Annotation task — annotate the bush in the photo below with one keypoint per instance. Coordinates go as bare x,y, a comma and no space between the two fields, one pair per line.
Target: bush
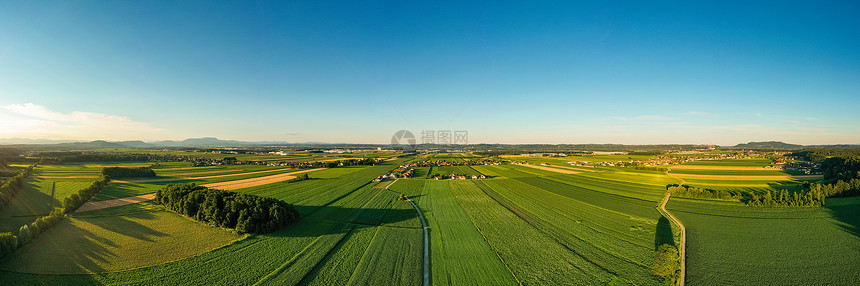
24,235
243,212
667,261
8,243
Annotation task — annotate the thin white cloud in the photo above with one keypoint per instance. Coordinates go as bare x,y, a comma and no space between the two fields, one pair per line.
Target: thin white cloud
38,122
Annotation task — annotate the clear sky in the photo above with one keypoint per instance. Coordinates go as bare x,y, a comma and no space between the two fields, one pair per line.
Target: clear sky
628,72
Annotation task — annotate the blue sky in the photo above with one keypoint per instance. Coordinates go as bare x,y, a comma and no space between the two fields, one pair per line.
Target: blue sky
545,72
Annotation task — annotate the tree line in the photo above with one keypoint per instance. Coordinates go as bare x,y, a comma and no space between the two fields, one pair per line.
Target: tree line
76,200
685,191
60,157
125,172
11,187
782,198
819,154
9,242
243,212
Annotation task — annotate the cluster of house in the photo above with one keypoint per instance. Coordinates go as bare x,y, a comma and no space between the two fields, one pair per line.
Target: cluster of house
806,167
458,177
404,171
457,163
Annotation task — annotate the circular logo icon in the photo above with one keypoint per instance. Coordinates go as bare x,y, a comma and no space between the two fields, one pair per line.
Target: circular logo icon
403,138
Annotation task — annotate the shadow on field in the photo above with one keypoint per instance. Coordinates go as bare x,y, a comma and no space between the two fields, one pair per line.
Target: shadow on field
321,220
123,226
846,211
664,234
30,201
791,186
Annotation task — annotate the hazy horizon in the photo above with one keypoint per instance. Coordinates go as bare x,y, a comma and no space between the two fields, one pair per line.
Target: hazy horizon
552,73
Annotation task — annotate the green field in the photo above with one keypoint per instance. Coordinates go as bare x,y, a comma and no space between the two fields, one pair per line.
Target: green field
117,239
521,226
730,244
334,210
731,162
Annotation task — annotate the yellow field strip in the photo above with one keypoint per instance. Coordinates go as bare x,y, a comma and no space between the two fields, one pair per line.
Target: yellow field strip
726,168
195,178
253,182
741,177
91,206
548,169
67,177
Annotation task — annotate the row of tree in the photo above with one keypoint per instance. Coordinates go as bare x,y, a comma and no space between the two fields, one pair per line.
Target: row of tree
125,172
243,212
60,157
838,189
28,232
804,198
700,193
76,200
11,187
9,242
785,198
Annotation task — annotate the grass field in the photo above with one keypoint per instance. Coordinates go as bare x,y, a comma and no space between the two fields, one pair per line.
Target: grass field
329,207
522,226
116,239
730,244
731,162
39,195
460,255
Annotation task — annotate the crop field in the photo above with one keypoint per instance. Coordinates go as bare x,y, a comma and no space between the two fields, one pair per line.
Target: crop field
460,255
752,173
731,163
734,244
522,226
44,190
752,186
317,244
117,239
128,188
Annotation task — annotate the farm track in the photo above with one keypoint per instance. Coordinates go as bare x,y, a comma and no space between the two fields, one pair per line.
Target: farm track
91,206
682,251
426,239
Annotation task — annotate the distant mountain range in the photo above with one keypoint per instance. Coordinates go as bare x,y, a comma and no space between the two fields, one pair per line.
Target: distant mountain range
191,142
215,142
769,145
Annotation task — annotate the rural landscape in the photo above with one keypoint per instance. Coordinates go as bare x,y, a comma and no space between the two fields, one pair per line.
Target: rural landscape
429,143
242,216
